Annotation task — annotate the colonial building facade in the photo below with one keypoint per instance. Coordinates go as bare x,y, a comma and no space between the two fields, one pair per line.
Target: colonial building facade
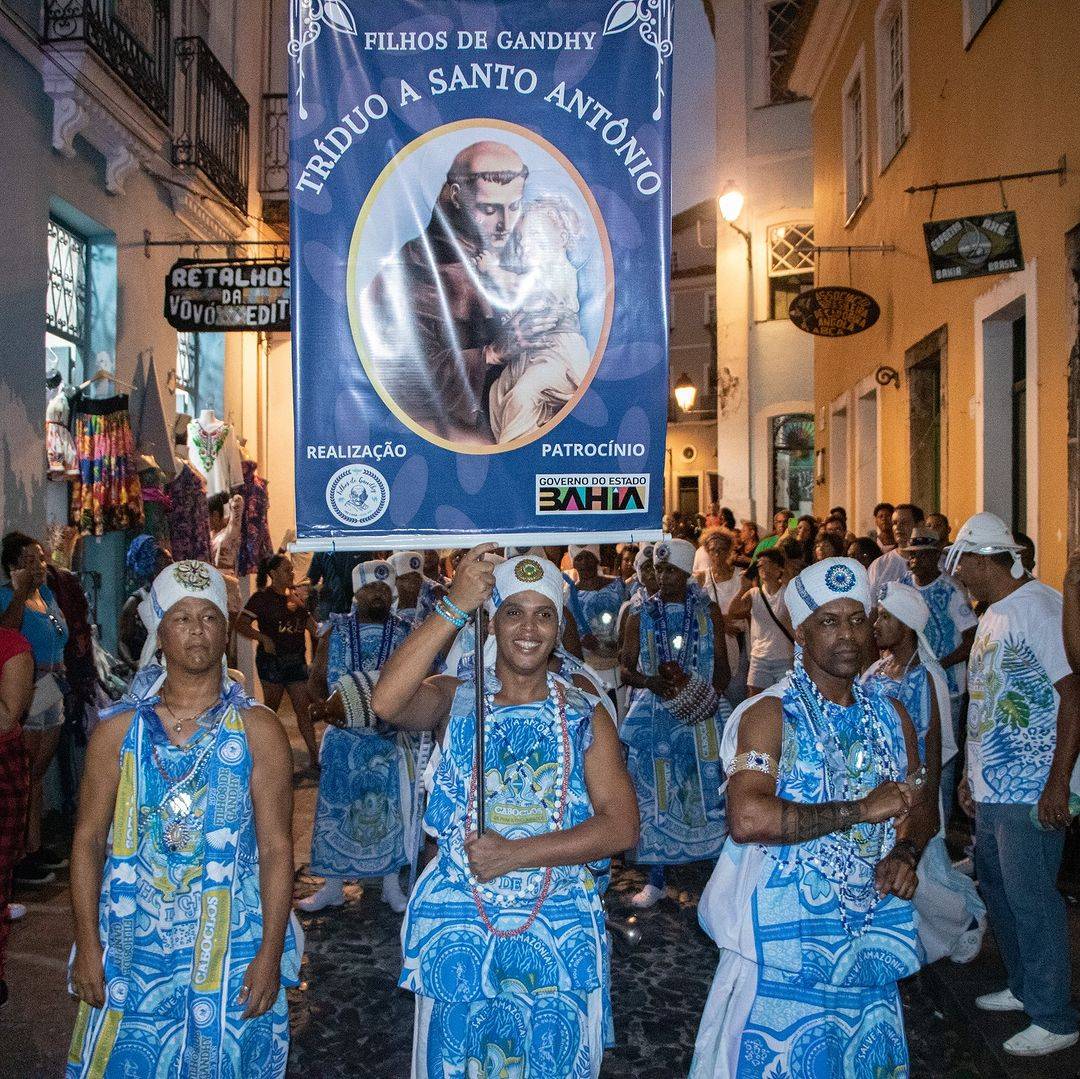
959,398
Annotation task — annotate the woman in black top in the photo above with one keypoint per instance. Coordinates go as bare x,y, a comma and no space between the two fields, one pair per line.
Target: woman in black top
279,623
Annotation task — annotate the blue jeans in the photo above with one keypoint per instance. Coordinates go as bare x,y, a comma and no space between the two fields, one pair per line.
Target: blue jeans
1018,865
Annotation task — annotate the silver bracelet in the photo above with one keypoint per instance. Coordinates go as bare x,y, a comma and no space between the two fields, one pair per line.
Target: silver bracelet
755,761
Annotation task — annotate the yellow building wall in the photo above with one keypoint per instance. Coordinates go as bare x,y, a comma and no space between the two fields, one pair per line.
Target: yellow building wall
1010,103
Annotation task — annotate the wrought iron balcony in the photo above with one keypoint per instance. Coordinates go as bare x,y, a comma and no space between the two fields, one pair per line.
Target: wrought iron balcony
274,171
131,37
211,121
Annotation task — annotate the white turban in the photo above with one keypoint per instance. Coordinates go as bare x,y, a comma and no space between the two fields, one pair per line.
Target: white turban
906,605
402,562
374,572
823,582
643,556
527,574
985,533
588,548
679,553
181,580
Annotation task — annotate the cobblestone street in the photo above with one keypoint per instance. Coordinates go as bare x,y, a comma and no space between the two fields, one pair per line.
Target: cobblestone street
350,1021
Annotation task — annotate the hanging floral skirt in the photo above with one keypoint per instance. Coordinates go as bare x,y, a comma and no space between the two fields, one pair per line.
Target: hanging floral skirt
107,496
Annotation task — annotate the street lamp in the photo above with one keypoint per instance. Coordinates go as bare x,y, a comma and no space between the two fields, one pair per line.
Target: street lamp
685,393
731,202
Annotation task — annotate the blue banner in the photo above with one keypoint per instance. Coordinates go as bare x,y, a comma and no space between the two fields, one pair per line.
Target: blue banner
480,240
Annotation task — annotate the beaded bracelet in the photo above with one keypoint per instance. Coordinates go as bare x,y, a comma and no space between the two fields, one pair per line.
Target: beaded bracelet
454,608
358,711
443,613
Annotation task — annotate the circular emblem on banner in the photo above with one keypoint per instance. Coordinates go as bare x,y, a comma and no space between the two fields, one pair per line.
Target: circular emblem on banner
834,311
528,571
839,579
357,495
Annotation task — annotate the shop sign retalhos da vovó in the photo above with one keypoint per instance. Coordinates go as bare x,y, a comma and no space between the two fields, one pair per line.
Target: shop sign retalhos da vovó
225,294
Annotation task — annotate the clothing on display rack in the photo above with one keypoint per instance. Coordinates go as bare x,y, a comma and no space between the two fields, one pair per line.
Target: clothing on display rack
153,436
59,445
189,518
214,454
255,542
107,496
156,502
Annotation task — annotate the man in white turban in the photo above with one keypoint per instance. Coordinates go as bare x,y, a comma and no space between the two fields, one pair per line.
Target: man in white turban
184,784
814,883
674,657
1023,727
952,917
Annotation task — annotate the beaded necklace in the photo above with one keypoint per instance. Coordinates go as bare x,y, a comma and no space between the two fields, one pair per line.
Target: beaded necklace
175,810
665,647
881,765
356,647
479,892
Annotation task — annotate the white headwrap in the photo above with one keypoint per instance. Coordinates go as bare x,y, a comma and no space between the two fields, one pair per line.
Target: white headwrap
907,605
823,582
643,556
402,562
680,553
588,548
527,574
374,572
985,533
181,580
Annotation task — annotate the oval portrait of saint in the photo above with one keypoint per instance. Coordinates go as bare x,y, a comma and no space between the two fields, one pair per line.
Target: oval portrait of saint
480,285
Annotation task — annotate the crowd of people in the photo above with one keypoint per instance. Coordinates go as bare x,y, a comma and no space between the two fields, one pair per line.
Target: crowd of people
806,709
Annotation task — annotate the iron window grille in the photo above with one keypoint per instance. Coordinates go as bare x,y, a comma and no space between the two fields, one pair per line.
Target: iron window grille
66,301
782,17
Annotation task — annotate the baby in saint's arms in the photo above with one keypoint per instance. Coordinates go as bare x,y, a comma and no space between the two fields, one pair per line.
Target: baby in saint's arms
537,273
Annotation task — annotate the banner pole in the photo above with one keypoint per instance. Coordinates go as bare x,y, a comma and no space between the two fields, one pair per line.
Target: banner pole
478,668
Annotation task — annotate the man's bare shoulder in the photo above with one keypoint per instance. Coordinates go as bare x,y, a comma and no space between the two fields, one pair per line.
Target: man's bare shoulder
112,731
261,724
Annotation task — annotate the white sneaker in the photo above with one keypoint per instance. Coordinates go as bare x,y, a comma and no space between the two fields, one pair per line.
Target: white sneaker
970,944
1001,1001
1037,1042
15,911
331,894
648,897
392,894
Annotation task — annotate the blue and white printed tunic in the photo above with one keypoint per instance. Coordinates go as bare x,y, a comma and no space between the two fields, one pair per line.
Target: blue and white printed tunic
365,788
528,1005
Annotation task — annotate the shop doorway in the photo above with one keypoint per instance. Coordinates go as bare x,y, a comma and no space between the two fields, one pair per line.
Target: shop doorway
1072,247
792,464
688,496
925,363
866,459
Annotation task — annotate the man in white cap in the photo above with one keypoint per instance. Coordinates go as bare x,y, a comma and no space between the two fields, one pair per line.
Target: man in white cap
674,657
600,598
556,799
181,868
416,595
952,917
810,899
366,792
1023,730
950,631
892,565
